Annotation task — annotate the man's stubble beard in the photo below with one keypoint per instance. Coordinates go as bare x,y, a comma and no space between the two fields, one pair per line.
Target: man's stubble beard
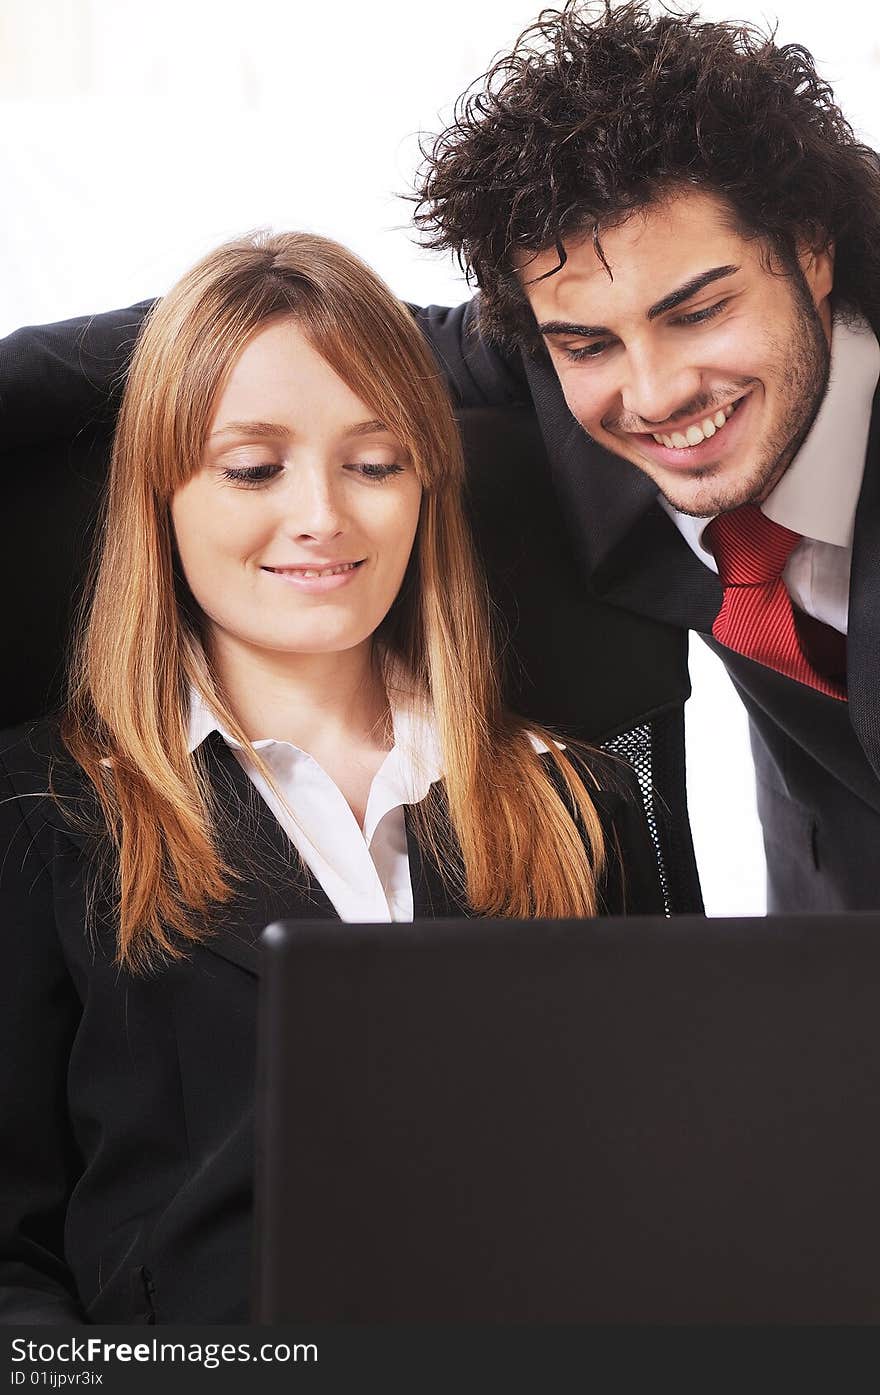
802,378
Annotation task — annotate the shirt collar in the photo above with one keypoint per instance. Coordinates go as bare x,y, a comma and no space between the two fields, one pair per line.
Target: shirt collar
405,776
202,722
413,765
818,494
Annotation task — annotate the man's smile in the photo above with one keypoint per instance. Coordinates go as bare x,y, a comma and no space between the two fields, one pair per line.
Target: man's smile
701,442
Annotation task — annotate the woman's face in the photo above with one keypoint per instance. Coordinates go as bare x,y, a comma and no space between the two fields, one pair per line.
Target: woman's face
295,533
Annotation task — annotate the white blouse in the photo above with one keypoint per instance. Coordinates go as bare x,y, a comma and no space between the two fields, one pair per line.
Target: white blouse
364,872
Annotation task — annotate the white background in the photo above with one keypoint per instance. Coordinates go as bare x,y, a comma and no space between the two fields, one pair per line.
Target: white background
139,135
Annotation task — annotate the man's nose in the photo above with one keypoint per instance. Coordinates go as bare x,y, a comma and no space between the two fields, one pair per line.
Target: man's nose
656,385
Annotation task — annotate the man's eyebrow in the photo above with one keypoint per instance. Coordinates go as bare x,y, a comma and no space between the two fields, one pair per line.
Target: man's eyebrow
691,287
668,302
569,327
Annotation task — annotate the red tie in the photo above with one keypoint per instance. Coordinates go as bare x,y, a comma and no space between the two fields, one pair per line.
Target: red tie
756,617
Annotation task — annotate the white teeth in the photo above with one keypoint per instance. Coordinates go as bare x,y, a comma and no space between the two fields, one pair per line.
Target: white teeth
312,572
695,434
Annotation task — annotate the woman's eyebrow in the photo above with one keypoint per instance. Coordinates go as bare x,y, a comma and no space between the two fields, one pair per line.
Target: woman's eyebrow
367,428
275,430
251,428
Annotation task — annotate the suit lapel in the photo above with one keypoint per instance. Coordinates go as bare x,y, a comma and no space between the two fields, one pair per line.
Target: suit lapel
604,497
863,641
433,898
274,881
629,550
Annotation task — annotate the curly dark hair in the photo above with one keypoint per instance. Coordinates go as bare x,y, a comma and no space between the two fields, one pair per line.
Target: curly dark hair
599,109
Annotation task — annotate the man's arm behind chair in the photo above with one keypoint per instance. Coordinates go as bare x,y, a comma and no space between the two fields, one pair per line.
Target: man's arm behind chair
59,379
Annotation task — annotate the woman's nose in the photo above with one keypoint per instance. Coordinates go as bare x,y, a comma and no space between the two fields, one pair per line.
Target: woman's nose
313,508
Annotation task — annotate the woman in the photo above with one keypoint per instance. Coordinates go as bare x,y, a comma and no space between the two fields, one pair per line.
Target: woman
283,702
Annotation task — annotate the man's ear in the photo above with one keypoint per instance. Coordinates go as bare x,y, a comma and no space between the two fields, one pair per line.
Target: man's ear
816,258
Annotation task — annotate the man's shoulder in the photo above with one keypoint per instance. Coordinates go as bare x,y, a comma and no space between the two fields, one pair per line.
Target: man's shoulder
92,335
56,379
479,372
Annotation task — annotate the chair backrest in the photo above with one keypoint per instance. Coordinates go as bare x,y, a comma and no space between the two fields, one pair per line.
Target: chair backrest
571,661
53,494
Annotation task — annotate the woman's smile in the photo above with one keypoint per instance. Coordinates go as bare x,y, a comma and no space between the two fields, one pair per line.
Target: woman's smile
316,577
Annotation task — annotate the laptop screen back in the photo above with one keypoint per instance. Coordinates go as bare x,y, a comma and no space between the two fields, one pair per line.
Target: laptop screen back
605,1121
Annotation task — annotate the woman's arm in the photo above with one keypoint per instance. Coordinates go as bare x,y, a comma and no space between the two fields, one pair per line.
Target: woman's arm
39,1012
56,380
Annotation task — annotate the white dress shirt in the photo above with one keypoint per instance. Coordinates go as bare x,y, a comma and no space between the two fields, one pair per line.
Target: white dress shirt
818,494
364,872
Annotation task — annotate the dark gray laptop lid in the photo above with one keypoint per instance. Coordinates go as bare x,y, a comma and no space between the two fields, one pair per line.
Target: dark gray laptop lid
604,1121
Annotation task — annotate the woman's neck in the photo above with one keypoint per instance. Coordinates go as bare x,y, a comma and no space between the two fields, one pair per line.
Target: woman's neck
311,700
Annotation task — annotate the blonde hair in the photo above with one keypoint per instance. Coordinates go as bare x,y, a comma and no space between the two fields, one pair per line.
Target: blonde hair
514,833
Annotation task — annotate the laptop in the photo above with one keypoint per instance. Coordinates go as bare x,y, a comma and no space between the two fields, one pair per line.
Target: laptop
611,1121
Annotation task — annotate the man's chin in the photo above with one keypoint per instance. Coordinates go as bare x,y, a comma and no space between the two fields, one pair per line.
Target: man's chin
700,508
718,487
706,496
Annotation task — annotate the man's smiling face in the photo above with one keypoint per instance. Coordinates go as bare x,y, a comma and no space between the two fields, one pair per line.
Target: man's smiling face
695,360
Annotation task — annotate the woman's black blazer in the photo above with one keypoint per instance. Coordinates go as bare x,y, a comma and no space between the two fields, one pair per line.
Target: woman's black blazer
126,1103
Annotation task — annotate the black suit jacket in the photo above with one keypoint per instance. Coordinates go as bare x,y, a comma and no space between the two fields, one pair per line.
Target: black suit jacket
126,1103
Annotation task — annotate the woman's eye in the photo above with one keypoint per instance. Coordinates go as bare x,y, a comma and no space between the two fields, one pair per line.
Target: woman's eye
372,470
251,474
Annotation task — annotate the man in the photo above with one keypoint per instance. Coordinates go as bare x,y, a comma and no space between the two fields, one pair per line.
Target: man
673,232
675,236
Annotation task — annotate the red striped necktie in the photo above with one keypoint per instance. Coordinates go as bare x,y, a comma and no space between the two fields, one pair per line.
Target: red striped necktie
756,616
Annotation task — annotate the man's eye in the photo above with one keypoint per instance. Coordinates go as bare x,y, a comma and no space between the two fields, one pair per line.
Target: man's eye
251,474
697,317
586,351
372,470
